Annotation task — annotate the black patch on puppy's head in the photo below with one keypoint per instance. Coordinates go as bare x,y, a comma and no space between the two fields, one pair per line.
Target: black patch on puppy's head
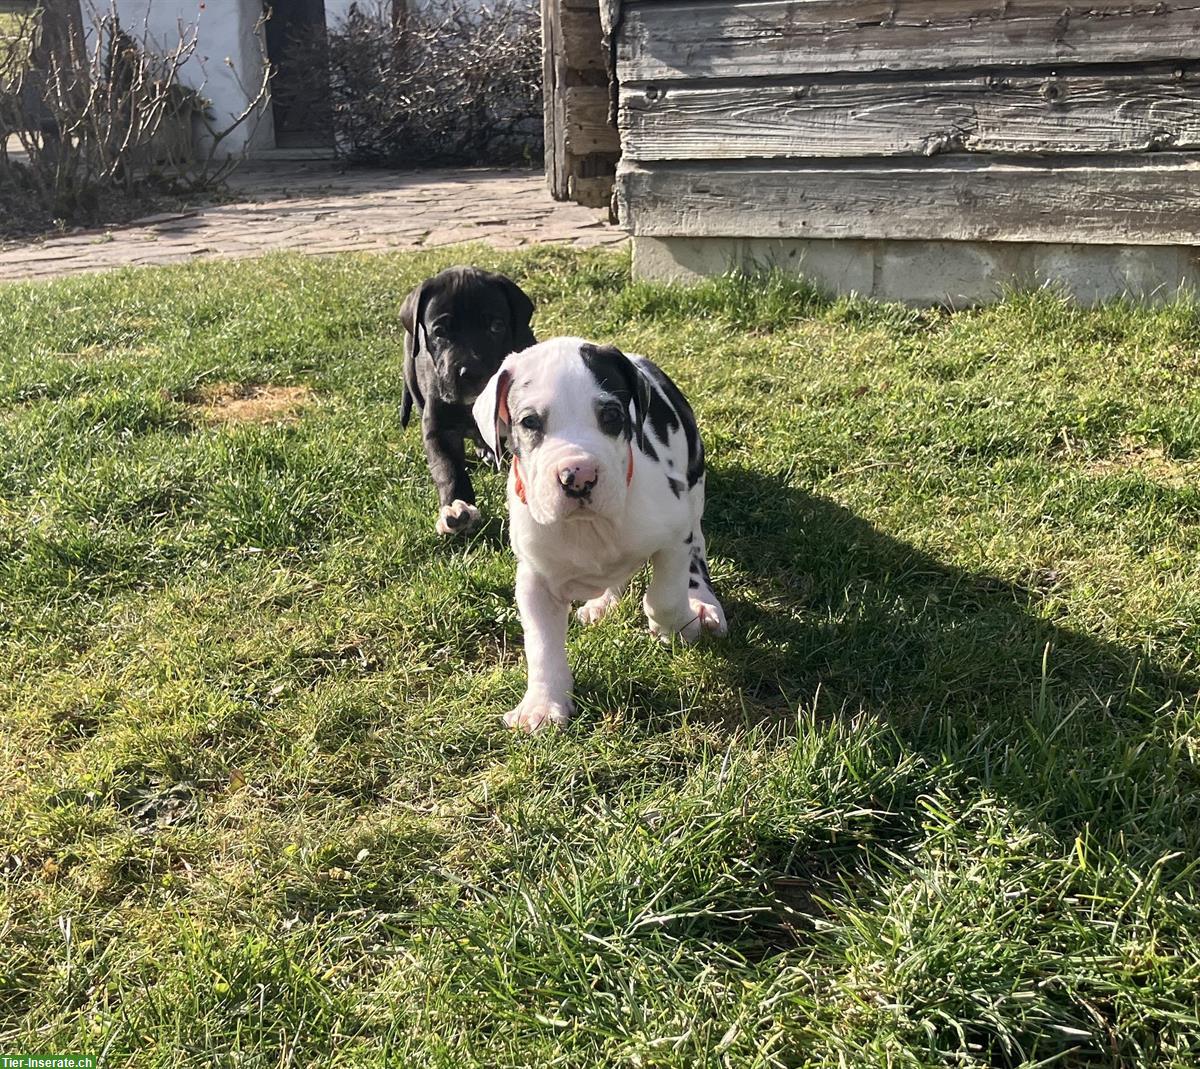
616,375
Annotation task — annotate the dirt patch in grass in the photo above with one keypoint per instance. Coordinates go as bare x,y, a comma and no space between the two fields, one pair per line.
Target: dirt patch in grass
1151,462
231,402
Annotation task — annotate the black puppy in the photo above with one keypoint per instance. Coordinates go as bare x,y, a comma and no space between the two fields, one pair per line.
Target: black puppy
461,325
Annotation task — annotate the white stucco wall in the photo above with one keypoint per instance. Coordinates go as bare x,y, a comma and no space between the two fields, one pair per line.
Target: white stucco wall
227,66
336,11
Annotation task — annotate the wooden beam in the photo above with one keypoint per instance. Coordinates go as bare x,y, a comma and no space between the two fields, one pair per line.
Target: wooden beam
593,192
581,144
1107,112
553,102
588,128
781,38
610,15
581,34
1098,200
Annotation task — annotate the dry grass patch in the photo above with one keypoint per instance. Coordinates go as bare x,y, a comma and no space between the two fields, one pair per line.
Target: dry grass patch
231,402
1149,461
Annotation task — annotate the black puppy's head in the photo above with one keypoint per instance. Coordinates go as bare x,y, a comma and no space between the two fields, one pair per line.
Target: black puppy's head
467,321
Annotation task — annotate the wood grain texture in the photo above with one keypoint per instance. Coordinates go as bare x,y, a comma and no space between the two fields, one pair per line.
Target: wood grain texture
1100,200
588,128
554,104
592,192
581,145
780,38
610,15
581,33
1100,113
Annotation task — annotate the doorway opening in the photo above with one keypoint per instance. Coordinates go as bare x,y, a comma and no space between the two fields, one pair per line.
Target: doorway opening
300,105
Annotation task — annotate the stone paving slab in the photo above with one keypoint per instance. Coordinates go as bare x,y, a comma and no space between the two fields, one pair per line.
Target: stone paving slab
321,208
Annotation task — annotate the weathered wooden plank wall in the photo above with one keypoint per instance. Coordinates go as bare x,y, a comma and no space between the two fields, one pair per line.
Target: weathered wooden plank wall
582,145
1105,111
1145,201
1021,120
710,39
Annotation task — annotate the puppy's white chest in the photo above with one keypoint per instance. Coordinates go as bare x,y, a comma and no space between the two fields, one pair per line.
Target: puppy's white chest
580,559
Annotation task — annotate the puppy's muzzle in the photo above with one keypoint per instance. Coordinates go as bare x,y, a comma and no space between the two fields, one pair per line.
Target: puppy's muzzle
578,480
461,377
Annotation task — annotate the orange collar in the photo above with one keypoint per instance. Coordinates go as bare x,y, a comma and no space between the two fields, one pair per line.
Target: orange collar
519,486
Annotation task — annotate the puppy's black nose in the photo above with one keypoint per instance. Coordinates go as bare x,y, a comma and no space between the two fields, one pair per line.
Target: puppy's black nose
577,480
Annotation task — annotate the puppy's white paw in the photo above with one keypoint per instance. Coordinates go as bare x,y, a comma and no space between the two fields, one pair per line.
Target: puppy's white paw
710,617
592,612
665,629
705,616
538,711
459,517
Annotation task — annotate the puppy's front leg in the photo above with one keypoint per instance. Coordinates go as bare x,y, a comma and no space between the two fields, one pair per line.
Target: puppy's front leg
448,466
666,604
544,618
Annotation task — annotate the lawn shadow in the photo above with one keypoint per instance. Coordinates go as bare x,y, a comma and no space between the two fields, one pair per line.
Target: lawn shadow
1067,734
965,667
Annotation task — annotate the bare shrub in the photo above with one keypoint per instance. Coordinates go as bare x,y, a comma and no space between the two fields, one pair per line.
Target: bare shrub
448,84
102,117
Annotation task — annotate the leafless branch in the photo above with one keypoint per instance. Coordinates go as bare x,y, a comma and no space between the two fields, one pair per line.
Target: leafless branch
102,114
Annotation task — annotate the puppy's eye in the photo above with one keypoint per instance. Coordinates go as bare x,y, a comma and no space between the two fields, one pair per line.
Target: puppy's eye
532,423
497,326
612,419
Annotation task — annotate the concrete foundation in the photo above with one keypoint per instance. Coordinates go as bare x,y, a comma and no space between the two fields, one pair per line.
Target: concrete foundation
954,273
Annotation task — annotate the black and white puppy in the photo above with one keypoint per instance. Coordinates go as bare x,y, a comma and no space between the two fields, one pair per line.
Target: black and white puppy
460,325
607,473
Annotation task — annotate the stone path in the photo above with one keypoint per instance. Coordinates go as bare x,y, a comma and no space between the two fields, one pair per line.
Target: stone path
320,208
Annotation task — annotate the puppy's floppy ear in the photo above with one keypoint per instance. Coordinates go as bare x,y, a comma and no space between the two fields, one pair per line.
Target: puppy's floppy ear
639,397
520,308
411,312
410,315
491,411
412,390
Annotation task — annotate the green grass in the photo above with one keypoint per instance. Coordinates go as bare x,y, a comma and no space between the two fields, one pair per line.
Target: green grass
934,802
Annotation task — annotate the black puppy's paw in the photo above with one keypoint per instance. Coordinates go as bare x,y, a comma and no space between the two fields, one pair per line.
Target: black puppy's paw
459,517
